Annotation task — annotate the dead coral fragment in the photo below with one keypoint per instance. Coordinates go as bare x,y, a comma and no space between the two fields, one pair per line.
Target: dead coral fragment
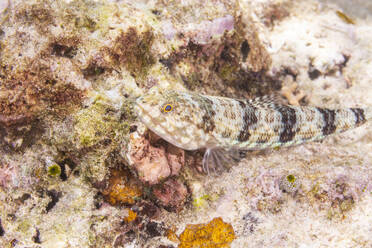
122,188
340,208
154,163
343,195
150,162
275,13
176,158
236,60
215,234
171,194
8,174
204,31
291,93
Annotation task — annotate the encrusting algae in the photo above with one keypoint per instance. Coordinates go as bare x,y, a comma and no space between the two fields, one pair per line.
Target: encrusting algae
121,189
131,216
215,234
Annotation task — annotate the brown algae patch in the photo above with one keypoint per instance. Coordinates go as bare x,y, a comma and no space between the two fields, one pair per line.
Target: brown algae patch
134,50
27,91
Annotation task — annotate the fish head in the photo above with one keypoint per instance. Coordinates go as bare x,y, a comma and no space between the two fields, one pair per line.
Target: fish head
174,116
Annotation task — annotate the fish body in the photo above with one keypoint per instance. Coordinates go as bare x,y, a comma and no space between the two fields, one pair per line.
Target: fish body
193,121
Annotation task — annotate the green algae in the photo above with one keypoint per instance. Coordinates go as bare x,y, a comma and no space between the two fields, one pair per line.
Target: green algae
99,124
340,208
291,178
290,183
85,22
228,73
24,226
96,16
54,170
202,201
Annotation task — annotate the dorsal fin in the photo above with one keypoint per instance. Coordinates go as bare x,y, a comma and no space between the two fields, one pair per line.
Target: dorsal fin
267,101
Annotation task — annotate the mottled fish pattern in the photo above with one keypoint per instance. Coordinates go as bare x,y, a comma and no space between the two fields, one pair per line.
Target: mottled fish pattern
192,121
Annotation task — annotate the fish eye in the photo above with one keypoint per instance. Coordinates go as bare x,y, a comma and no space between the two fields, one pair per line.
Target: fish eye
167,108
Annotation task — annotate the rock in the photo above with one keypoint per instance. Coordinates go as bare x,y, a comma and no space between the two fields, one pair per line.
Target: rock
171,194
